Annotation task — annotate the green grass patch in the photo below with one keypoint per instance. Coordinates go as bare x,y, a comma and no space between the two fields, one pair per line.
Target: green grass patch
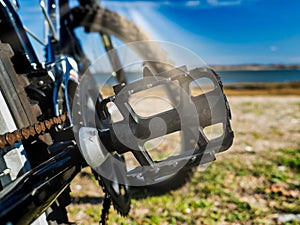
243,189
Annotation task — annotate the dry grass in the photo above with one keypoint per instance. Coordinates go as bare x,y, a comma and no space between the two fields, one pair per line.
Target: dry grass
265,89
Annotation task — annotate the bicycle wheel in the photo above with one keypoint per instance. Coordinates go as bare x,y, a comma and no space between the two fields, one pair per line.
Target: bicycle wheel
112,23
103,20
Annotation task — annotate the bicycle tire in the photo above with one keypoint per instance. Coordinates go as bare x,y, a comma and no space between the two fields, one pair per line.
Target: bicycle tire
96,19
104,20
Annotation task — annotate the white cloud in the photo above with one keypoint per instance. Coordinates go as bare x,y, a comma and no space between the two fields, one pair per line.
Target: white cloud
273,48
224,2
129,4
192,3
186,3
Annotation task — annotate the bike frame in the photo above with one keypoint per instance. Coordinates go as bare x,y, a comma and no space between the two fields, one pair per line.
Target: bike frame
31,194
25,58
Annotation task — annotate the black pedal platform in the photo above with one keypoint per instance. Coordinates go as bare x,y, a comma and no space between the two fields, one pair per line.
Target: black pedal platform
198,105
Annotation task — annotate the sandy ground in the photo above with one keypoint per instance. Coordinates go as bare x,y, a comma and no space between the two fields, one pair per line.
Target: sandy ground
260,123
265,122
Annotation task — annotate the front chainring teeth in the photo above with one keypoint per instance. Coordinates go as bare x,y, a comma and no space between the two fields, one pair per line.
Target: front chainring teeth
82,120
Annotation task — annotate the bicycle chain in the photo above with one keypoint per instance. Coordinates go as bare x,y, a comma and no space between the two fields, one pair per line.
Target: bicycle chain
39,128
105,210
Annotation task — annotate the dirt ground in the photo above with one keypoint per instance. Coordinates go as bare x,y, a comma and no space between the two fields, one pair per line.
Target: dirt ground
265,122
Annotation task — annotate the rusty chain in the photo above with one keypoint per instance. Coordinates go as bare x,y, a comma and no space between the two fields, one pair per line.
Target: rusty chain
10,138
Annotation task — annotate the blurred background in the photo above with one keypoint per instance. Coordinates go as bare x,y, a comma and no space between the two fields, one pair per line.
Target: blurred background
239,35
222,32
255,47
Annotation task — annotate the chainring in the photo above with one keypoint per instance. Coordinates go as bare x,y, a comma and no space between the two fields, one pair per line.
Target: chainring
84,112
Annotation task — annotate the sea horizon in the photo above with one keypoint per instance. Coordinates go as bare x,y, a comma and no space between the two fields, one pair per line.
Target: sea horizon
228,76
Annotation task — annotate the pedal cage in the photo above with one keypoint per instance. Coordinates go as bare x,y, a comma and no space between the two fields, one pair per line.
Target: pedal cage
198,98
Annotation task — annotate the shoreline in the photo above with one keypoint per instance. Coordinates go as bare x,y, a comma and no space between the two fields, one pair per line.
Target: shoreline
257,67
261,88
247,89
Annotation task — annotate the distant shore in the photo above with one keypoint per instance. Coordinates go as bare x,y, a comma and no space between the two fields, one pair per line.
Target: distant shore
256,67
276,89
248,89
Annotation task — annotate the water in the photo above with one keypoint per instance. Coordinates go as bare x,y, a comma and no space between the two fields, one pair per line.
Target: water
242,76
234,76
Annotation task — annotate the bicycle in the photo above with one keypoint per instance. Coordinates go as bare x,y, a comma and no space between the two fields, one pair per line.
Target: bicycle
44,144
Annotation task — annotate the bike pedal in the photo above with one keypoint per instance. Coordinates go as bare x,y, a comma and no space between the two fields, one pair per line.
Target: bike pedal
197,103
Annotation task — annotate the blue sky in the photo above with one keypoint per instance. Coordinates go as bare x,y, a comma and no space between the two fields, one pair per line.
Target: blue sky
220,31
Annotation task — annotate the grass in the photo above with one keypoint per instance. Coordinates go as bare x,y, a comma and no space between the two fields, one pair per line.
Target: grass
231,191
240,187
